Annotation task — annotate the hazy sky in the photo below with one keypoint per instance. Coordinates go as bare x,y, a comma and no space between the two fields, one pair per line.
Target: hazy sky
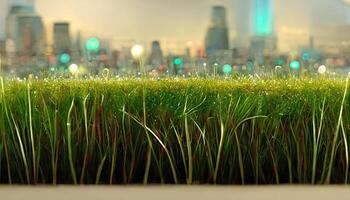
181,20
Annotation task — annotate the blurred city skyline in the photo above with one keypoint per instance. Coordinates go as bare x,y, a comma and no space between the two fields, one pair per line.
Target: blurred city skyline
182,20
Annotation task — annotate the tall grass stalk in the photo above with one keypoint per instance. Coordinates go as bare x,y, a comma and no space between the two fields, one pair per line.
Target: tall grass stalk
316,142
32,134
150,146
69,141
86,126
335,140
24,158
345,140
188,144
172,166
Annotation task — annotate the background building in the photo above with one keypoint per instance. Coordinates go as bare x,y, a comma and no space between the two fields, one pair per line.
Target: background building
62,39
217,37
263,39
25,28
156,55
242,15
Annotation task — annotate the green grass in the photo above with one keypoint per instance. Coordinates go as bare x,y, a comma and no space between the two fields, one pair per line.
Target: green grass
185,131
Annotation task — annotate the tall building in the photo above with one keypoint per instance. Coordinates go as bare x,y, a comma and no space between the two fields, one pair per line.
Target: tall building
263,18
217,37
347,10
62,39
263,39
3,60
26,30
30,3
3,12
156,56
242,13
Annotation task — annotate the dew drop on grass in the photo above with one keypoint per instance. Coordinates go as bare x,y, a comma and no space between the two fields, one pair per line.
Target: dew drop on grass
278,67
105,73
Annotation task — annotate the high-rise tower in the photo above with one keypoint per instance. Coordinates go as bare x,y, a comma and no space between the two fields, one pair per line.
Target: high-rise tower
217,35
263,39
156,57
62,40
27,3
25,28
263,17
242,13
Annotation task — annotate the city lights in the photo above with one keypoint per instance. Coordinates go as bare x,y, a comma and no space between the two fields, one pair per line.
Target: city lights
93,44
74,69
178,61
322,69
227,69
65,58
295,65
137,51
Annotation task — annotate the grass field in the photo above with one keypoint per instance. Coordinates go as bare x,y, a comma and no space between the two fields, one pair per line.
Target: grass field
182,131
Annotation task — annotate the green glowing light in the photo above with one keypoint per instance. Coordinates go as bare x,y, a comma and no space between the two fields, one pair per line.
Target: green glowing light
279,62
65,58
295,65
92,45
263,17
227,69
177,61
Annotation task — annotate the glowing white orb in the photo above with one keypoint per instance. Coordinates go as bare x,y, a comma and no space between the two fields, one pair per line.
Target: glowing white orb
137,51
74,68
322,69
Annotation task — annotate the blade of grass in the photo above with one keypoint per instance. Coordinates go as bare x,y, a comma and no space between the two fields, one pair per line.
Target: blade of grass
340,119
69,140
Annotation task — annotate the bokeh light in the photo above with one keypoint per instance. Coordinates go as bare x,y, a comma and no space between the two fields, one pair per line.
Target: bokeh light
295,65
178,61
65,58
93,44
322,69
227,69
137,51
74,68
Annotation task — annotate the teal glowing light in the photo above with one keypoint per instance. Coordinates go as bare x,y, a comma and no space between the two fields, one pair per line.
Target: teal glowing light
177,61
227,69
93,44
263,17
279,62
306,56
295,65
65,58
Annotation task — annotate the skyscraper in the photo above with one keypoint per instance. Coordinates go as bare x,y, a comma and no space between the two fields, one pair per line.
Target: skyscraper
217,35
263,16
263,39
242,13
62,40
25,28
3,13
156,56
27,3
